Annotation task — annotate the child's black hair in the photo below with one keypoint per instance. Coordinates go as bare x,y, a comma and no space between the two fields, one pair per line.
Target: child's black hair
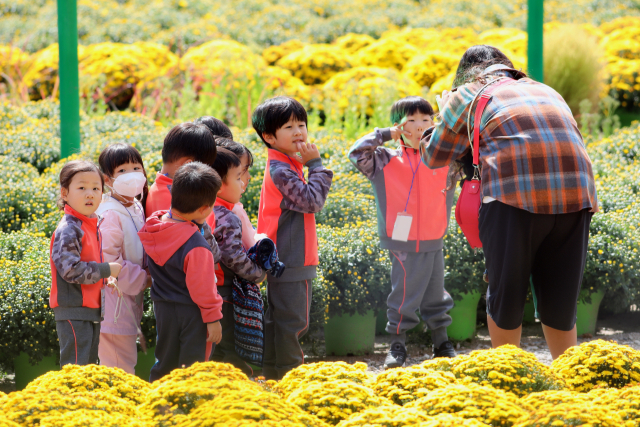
235,147
225,160
120,154
194,185
70,170
191,140
408,106
274,113
216,126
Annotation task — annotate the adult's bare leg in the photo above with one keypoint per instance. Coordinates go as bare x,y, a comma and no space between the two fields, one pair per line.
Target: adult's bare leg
559,341
501,336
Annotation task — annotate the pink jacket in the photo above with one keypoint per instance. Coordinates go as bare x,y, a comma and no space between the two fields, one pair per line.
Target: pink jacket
121,244
248,232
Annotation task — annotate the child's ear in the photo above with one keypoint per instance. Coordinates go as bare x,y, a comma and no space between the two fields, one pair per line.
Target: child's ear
270,139
108,181
64,192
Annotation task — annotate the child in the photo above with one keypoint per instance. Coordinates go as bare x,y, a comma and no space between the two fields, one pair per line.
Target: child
286,214
123,217
77,267
186,302
410,198
216,126
249,234
234,262
186,142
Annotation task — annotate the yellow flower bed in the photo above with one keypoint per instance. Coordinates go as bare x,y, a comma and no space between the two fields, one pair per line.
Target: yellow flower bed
13,61
385,53
29,407
625,402
426,68
316,63
560,408
368,84
4,422
219,58
273,54
352,43
321,372
335,400
486,404
87,418
598,363
175,395
405,385
249,405
40,77
508,368
90,378
449,420
384,416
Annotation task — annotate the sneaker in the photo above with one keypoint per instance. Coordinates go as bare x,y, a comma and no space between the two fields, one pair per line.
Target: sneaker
445,350
396,356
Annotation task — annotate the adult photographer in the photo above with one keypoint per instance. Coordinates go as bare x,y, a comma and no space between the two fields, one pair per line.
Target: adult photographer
537,190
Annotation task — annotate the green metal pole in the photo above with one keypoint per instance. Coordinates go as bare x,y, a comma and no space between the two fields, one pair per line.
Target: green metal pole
69,81
535,45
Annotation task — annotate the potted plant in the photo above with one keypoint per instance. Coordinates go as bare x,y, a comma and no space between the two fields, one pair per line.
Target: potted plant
463,280
354,272
611,268
28,340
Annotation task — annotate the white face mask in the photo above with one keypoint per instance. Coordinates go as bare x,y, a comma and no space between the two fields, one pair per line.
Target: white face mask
129,184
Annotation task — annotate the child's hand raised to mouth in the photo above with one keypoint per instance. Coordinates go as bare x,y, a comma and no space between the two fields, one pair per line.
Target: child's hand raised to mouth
307,152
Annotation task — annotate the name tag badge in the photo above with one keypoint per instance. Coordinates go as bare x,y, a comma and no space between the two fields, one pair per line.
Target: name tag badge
402,227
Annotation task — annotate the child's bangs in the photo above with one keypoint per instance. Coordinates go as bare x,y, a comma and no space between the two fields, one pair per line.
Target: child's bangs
117,155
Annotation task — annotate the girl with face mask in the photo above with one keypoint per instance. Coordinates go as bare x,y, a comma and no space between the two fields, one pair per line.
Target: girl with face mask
123,216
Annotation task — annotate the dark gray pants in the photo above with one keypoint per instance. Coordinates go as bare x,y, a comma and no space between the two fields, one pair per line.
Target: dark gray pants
79,341
225,351
285,321
417,283
182,337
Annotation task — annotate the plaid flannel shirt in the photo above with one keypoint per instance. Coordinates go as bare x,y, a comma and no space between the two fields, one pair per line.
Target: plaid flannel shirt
531,151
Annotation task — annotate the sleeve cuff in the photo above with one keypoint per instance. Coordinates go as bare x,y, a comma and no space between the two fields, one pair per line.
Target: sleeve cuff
314,163
104,269
212,316
385,133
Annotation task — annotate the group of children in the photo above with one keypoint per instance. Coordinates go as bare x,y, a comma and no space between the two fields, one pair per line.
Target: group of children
188,238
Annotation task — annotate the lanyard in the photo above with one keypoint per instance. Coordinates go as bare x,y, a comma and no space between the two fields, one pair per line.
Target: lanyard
135,204
412,178
170,215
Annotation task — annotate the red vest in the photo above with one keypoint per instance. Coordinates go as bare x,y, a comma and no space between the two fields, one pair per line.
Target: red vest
270,211
425,200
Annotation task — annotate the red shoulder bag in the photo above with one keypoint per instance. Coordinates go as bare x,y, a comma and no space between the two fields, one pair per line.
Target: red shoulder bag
470,200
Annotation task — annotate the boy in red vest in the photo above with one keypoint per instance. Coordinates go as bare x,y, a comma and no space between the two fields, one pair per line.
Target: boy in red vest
288,203
186,142
413,212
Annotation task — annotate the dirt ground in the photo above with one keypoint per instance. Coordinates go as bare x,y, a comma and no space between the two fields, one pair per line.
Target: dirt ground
623,328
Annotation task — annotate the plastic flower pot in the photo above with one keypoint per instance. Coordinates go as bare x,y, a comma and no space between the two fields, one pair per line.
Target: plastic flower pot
529,317
145,363
587,314
26,372
381,323
463,316
350,334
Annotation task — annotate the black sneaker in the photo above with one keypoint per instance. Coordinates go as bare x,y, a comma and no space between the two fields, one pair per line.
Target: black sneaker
396,356
445,350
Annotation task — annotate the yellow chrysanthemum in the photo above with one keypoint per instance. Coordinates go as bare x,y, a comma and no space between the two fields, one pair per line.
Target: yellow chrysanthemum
316,63
403,385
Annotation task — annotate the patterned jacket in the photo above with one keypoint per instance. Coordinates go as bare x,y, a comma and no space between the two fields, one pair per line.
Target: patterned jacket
531,151
286,212
228,234
77,268
402,183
